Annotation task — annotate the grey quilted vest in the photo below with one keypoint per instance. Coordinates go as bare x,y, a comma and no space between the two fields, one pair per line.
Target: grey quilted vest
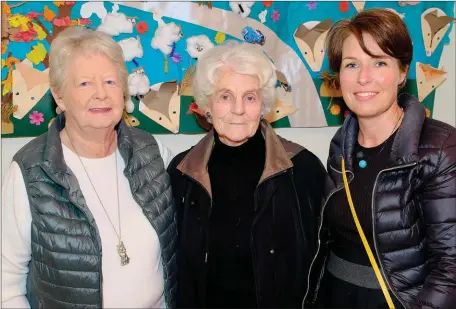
65,268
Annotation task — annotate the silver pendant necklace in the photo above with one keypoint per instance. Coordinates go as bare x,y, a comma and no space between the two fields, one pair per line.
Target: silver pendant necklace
121,250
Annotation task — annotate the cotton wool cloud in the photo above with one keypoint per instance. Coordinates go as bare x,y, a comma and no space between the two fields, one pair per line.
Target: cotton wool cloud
165,36
131,48
115,24
138,83
197,45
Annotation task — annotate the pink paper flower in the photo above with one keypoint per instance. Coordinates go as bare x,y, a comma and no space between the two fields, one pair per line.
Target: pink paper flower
36,118
275,15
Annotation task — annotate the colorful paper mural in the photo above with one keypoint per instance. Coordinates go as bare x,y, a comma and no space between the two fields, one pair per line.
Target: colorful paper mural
162,41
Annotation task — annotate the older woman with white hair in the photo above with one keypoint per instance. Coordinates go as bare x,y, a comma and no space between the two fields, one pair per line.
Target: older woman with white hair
247,200
87,213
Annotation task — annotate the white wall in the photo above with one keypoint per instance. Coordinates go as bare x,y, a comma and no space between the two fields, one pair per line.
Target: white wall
315,139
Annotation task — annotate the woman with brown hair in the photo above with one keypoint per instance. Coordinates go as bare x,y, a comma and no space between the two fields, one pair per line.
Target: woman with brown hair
390,222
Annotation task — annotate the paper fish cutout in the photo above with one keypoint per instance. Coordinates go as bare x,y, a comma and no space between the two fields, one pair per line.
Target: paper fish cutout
280,110
310,38
130,120
359,5
434,25
29,86
162,105
428,79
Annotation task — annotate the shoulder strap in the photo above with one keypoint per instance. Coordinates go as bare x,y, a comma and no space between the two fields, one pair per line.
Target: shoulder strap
364,240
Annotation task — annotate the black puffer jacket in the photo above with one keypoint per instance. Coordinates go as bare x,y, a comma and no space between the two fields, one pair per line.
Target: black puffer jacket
413,205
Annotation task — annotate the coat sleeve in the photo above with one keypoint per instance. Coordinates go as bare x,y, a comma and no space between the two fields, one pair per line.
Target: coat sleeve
16,239
438,201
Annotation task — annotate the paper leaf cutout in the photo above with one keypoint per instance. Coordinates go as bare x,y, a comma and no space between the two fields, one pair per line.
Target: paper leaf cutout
48,14
279,111
162,105
434,25
38,53
40,32
428,79
310,38
29,86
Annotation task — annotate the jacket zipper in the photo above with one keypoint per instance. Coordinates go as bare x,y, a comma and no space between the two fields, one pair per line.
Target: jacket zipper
252,242
373,227
319,232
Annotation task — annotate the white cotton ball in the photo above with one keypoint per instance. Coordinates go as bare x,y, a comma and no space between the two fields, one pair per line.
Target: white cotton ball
197,45
115,24
91,7
129,106
138,84
131,48
242,8
165,36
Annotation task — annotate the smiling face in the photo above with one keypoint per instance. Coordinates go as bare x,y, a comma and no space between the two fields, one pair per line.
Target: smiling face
92,97
369,85
235,107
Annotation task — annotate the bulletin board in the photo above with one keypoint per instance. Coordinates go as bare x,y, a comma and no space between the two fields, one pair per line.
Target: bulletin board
162,41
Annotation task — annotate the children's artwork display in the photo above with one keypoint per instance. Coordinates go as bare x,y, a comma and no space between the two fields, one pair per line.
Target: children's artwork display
162,42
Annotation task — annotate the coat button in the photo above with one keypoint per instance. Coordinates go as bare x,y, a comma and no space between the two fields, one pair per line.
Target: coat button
272,251
192,203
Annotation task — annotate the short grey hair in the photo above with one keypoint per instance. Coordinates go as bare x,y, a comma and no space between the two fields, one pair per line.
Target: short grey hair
78,40
242,58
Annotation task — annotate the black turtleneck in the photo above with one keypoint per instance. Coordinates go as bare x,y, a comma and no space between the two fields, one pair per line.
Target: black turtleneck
234,173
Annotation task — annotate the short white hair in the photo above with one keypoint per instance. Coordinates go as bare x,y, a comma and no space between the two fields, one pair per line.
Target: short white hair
242,58
76,40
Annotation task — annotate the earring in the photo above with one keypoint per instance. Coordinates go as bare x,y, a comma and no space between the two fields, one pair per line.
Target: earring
208,115
261,116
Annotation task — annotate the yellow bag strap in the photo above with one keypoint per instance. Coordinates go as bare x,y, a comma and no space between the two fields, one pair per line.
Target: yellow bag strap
364,240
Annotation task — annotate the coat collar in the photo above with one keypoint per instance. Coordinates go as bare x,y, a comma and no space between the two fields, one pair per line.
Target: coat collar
278,156
405,145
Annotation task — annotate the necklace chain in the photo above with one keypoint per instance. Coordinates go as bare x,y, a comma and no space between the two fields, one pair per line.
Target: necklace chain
120,247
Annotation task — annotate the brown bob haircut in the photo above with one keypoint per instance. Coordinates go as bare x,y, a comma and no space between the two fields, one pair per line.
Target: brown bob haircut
387,29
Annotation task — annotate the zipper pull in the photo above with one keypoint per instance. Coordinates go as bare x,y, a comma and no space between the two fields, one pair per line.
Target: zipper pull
205,259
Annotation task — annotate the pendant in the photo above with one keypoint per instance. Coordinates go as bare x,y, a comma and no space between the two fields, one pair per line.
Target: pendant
362,163
122,251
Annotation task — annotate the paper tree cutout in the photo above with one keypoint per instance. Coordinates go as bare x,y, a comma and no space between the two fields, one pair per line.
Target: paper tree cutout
162,105
29,86
434,25
359,5
310,38
428,79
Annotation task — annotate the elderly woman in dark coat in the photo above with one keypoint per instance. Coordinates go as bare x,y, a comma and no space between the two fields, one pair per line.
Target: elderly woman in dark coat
247,200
